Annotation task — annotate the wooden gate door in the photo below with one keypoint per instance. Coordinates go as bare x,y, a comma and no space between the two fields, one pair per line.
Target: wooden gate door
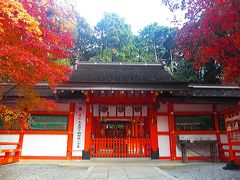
120,147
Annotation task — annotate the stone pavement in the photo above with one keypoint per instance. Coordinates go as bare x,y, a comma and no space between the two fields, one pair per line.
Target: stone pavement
127,173
112,169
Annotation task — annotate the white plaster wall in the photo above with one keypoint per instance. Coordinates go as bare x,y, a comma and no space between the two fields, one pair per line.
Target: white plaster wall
236,147
112,110
95,108
192,107
226,153
223,138
163,145
162,123
163,108
144,111
8,138
64,107
128,110
76,153
44,145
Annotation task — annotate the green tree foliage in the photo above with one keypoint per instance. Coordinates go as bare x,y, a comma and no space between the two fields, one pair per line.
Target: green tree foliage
112,40
209,73
114,36
86,42
157,42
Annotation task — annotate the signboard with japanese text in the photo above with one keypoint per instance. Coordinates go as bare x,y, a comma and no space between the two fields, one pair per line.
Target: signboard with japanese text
79,126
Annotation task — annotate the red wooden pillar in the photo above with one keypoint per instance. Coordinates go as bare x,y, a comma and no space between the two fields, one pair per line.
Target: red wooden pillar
146,127
96,127
141,128
136,127
216,125
21,136
153,134
70,130
87,146
133,125
231,154
172,131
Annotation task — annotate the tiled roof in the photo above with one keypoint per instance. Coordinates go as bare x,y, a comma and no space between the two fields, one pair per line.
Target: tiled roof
134,73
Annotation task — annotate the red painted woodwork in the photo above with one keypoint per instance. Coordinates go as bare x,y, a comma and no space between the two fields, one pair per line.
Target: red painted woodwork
232,121
153,129
70,130
120,147
88,128
216,124
76,157
10,155
172,131
121,100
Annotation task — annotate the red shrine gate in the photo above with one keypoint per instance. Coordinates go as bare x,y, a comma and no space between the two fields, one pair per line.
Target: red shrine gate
120,124
118,137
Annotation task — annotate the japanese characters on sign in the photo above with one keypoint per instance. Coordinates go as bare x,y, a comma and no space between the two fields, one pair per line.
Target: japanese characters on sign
79,126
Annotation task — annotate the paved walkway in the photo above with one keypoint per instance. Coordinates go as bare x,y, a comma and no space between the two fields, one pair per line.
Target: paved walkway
125,173
93,170
115,169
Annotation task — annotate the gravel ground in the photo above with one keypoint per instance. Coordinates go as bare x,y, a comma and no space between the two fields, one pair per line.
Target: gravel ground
212,171
74,171
41,172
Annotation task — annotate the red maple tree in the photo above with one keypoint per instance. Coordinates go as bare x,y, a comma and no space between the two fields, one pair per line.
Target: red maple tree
212,31
34,40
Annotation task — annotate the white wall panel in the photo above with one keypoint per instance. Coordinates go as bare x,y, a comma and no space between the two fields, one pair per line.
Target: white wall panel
77,153
224,138
128,110
162,123
9,138
226,153
120,113
192,107
163,108
44,145
112,111
163,145
144,111
95,110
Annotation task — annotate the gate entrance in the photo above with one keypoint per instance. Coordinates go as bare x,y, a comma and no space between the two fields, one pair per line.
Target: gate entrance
120,138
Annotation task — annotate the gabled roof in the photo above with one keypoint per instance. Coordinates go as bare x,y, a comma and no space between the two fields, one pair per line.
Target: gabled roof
120,73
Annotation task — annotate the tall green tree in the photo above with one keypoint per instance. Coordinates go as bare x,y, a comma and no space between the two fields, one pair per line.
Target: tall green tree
157,40
157,44
209,73
113,35
86,42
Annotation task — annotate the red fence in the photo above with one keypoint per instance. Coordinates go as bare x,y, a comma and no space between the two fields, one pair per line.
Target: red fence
120,147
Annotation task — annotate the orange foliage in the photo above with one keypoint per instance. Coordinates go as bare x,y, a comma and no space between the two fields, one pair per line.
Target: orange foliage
32,42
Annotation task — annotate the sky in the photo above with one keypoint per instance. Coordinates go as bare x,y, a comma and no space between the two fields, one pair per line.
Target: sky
137,13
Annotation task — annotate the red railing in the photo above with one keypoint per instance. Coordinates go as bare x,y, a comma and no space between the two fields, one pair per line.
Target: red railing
120,147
